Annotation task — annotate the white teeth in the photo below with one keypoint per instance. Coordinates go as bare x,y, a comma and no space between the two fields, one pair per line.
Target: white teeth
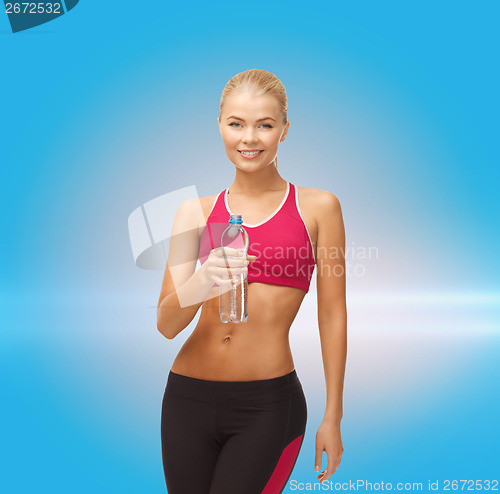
253,153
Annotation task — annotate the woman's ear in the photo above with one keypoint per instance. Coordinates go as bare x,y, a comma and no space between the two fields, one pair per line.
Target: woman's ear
285,131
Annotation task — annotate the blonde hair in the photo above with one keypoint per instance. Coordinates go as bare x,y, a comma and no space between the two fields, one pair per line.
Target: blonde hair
260,82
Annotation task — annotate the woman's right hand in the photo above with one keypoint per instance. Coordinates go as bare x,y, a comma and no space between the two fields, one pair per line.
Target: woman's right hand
225,263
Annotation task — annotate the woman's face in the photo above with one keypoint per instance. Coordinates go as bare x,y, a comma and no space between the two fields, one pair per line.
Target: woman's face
253,124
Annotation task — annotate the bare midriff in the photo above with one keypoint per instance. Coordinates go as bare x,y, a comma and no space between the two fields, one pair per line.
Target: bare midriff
254,350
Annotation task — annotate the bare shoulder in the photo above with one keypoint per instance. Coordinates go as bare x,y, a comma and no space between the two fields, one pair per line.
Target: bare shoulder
207,204
317,202
198,209
193,213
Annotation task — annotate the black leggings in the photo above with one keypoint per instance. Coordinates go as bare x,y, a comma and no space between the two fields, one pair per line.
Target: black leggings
227,437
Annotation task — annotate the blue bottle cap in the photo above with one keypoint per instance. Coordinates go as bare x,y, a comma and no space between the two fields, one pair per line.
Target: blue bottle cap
236,218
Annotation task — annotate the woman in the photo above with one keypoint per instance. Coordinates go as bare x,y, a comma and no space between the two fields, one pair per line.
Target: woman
234,413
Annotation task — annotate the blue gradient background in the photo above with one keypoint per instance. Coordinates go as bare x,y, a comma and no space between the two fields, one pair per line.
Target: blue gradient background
393,107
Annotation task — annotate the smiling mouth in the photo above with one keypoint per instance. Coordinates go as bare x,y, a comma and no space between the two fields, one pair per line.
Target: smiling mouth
250,154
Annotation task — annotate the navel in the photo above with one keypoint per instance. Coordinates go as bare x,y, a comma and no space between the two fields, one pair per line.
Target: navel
227,339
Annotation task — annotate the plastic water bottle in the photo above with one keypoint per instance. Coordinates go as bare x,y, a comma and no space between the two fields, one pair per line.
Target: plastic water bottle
233,302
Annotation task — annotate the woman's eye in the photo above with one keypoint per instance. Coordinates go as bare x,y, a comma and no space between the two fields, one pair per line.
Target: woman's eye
233,124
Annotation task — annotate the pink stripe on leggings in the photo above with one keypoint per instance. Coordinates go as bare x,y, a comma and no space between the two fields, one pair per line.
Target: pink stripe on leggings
283,468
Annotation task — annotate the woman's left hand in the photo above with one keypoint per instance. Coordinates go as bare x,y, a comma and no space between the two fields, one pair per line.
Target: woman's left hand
328,439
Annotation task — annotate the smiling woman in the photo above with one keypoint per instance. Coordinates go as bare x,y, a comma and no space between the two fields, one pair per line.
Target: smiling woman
233,406
265,98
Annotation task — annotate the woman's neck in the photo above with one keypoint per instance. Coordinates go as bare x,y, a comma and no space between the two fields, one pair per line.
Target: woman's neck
249,184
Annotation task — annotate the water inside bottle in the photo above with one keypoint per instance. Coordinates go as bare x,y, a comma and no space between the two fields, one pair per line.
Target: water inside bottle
233,303
234,306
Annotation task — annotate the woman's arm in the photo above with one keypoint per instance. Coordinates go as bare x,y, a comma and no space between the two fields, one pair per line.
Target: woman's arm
183,290
173,315
332,321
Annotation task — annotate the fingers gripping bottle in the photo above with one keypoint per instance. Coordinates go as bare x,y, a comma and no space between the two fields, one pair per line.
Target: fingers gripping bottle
233,302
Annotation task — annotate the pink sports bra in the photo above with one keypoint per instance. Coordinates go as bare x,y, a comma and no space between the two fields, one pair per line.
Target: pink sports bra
281,243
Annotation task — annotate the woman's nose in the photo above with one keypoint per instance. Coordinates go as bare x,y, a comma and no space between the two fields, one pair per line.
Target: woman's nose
249,135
